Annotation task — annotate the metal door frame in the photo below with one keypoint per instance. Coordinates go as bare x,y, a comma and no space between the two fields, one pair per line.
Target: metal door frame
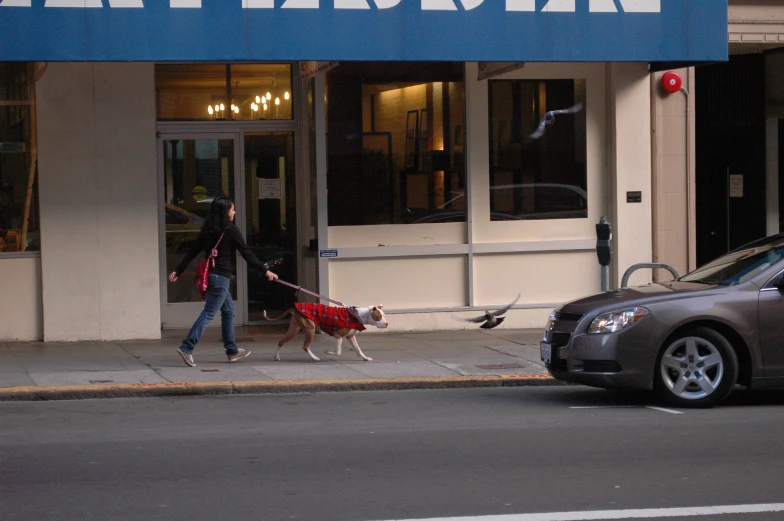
182,315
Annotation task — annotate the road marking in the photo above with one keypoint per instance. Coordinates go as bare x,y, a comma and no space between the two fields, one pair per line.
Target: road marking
662,409
604,407
622,514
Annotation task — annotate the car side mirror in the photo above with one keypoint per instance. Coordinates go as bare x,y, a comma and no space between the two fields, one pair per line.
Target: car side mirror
780,284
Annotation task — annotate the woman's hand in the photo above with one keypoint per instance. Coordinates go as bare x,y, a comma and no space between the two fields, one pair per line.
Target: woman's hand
271,276
173,276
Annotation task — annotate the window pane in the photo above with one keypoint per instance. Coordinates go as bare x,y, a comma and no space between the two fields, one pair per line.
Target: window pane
223,92
197,171
250,83
17,217
395,135
14,81
537,158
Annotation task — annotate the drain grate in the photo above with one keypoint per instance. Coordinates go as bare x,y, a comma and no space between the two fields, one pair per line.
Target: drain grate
101,381
500,366
210,370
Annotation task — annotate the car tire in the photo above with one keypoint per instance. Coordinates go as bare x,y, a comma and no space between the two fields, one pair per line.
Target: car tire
697,368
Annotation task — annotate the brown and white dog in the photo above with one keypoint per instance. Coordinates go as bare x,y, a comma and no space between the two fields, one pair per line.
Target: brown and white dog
335,321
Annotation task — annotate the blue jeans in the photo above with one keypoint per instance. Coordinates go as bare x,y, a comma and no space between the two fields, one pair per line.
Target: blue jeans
218,297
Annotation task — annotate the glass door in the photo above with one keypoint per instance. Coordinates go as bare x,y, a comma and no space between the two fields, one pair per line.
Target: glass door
270,216
193,170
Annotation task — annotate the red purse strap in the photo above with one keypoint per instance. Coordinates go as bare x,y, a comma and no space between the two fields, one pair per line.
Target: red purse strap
214,252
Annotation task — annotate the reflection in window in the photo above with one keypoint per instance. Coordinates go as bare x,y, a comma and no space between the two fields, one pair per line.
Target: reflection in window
537,159
221,92
395,141
19,224
196,172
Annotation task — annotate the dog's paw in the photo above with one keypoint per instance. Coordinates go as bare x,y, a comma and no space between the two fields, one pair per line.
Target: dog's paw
277,358
331,353
368,359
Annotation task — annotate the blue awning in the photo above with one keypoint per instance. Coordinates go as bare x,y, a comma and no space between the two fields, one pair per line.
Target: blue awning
675,31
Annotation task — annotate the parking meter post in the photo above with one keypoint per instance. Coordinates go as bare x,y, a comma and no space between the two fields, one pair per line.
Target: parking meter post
604,249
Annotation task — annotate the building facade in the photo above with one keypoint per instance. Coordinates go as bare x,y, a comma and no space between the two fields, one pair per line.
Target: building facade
717,145
371,164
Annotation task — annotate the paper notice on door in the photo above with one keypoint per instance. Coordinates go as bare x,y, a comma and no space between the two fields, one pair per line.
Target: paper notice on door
270,188
736,186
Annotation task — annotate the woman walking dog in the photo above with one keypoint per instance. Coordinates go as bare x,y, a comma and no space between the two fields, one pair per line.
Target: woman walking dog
221,235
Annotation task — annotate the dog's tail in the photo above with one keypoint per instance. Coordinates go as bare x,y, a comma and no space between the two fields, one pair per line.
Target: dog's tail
287,312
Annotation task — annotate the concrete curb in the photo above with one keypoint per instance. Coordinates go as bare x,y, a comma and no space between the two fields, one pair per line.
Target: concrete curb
82,392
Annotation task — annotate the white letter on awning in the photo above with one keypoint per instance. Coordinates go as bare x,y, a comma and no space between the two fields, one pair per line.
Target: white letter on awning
351,4
258,4
560,6
521,5
16,3
300,4
641,6
438,5
602,6
73,3
471,4
386,4
185,4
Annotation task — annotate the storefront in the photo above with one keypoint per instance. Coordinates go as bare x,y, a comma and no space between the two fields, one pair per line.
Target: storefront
410,171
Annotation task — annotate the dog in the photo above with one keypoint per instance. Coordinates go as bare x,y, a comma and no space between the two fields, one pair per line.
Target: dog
339,322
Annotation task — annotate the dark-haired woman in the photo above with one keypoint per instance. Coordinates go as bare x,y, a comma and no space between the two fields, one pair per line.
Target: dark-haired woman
219,229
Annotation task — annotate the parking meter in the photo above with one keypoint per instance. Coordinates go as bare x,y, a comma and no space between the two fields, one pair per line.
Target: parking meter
604,249
604,241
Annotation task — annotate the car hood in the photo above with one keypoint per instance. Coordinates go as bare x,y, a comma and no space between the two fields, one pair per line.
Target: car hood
638,295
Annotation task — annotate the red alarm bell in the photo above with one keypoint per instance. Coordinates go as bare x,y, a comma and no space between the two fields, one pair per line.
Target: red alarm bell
671,82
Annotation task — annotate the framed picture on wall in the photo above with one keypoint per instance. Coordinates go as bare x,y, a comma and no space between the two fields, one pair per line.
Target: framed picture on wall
412,126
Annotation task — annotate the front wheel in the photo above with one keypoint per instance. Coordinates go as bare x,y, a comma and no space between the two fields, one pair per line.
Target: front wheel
698,368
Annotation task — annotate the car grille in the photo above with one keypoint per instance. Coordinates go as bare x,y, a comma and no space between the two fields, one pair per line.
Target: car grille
559,334
562,328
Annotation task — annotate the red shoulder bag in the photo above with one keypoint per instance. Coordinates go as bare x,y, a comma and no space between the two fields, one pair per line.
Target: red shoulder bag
203,269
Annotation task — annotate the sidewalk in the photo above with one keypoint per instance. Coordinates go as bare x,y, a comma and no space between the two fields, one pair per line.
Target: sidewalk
417,360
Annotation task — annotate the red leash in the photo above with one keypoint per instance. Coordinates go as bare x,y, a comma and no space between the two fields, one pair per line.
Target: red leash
351,310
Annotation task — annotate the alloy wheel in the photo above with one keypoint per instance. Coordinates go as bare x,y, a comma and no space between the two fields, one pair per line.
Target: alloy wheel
692,368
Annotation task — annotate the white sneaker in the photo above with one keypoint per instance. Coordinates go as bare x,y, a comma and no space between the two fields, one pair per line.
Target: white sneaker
188,358
241,353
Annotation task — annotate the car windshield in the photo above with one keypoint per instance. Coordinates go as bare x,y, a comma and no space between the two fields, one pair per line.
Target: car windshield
740,265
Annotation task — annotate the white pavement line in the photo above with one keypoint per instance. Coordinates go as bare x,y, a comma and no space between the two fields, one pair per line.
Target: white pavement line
662,409
621,514
604,407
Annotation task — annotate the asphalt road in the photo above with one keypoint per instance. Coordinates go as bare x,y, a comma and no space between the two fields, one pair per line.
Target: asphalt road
367,456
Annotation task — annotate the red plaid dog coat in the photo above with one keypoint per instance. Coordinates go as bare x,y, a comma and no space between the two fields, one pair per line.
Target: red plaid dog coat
329,318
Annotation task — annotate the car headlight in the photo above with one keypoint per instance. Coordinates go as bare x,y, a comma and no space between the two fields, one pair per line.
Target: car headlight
616,321
549,326
550,321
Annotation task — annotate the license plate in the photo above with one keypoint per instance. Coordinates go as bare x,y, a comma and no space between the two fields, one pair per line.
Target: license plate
547,352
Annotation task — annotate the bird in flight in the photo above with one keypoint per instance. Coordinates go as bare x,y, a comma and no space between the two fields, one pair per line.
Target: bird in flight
493,318
549,119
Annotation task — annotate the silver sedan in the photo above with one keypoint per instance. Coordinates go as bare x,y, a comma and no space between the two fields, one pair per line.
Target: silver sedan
690,340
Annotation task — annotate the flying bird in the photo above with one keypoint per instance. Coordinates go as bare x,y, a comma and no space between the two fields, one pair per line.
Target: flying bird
549,119
493,318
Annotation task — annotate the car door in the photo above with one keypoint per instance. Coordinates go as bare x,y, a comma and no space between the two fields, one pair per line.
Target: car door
771,326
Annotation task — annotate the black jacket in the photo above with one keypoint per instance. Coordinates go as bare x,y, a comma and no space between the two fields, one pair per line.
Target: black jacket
226,262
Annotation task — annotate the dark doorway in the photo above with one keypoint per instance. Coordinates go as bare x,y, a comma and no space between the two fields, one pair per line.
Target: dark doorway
730,138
